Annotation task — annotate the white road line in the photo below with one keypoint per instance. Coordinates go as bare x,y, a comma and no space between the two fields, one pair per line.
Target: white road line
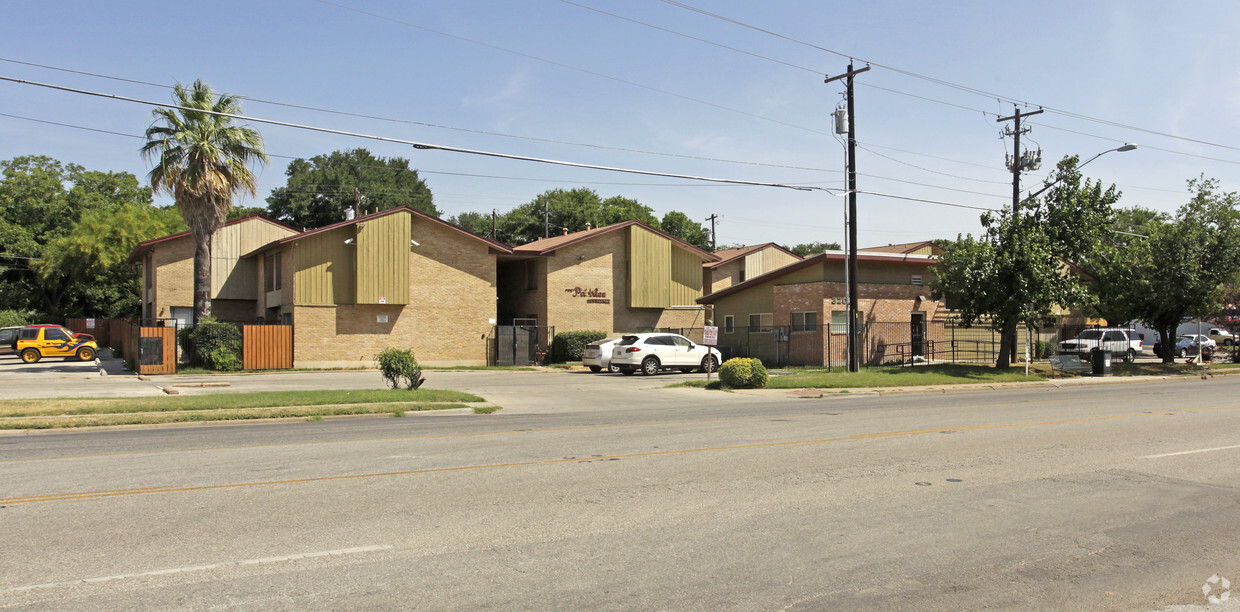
1191,452
201,568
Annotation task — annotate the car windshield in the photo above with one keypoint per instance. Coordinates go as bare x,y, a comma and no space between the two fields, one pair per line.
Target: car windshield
1090,334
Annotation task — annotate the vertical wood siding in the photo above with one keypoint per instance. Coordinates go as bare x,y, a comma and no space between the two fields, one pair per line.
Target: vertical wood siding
755,265
686,277
233,278
325,273
383,259
650,269
267,347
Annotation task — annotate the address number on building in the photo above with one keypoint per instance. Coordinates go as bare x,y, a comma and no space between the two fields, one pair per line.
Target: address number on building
839,300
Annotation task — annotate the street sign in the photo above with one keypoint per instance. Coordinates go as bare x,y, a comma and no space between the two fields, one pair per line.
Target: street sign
710,335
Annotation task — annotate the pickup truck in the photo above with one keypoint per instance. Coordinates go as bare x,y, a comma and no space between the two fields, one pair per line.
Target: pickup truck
1121,343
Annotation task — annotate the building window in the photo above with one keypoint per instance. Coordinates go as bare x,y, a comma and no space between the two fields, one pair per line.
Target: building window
760,323
531,275
839,321
729,324
804,321
742,276
271,272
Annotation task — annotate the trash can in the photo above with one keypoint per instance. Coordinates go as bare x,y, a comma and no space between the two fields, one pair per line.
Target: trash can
1101,361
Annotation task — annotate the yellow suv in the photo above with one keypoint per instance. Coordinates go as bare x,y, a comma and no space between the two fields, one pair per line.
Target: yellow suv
38,341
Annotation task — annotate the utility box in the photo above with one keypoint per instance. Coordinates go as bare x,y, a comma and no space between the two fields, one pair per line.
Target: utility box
1101,362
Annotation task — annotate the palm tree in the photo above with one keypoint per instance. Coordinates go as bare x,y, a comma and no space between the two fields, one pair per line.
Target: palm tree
202,160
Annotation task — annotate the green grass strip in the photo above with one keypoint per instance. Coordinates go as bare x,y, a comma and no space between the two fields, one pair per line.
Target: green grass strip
228,401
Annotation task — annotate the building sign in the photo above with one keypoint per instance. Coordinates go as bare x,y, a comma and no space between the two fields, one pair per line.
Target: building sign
382,300
593,296
90,324
710,335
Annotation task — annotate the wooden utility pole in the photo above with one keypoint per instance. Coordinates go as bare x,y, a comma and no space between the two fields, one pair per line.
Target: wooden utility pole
854,357
713,244
1007,344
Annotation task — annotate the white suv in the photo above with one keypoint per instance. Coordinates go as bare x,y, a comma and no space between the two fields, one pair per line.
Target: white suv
653,352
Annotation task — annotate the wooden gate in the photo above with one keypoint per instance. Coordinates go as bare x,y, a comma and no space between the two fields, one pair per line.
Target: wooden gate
267,347
157,352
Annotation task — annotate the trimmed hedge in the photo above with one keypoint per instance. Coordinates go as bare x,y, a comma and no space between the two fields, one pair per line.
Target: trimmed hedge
568,346
212,345
743,373
399,365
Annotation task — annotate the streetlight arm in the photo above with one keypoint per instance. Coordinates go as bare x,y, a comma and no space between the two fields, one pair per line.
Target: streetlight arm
1127,147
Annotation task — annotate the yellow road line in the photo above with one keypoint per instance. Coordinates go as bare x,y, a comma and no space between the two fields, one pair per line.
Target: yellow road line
866,436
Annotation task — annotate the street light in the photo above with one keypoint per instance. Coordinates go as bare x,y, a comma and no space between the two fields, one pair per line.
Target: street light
1127,147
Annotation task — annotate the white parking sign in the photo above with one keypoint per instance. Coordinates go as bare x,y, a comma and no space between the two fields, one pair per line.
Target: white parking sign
710,335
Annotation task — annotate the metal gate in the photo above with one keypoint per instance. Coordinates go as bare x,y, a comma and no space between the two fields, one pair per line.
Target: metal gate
520,345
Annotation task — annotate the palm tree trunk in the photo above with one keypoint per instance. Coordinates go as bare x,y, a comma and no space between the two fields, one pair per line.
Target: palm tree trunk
202,276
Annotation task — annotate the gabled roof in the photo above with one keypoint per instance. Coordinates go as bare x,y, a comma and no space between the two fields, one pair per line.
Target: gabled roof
547,246
907,247
141,250
494,244
729,255
895,258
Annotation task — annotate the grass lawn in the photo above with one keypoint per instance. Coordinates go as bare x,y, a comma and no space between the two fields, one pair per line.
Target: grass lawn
86,412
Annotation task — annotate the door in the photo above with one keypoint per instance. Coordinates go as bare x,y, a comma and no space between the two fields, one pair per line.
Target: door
917,334
684,351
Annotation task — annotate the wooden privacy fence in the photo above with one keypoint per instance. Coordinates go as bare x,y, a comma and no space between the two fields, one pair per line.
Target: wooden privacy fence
267,347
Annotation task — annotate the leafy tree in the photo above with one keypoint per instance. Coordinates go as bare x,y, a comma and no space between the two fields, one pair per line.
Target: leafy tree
202,160
321,188
569,210
1016,272
810,249
1182,266
679,224
473,222
59,261
241,212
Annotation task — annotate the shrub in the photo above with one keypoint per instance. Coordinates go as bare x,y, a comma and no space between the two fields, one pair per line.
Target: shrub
398,367
1045,349
212,344
14,318
568,346
741,373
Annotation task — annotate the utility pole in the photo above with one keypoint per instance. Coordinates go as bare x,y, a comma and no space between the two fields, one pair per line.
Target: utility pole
1018,162
546,219
713,245
854,357
494,233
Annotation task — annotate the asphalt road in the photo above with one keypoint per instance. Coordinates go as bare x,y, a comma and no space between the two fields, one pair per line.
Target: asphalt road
608,493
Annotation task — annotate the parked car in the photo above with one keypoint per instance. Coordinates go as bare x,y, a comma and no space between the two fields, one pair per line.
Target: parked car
8,340
597,356
38,341
1221,336
655,351
1189,344
78,335
1121,343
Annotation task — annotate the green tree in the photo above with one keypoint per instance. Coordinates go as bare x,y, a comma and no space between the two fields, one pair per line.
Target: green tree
679,224
1184,263
568,210
320,189
202,159
810,249
1016,273
473,222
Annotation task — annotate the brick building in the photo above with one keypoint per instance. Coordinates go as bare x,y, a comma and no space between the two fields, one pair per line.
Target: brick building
737,265
168,270
618,278
396,278
797,314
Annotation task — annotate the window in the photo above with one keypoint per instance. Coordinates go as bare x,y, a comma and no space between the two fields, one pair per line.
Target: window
729,324
659,341
29,333
679,341
742,276
760,323
839,321
916,280
53,333
271,272
804,321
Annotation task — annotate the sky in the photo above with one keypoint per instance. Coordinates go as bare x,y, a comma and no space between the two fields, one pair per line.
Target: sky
725,89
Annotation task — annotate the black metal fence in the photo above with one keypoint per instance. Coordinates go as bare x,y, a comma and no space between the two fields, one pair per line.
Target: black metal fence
519,345
907,343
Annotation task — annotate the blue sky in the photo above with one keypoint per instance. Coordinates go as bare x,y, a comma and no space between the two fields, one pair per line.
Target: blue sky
554,79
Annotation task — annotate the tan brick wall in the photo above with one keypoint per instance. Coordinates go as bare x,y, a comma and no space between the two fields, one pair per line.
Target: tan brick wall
174,275
726,275
451,305
233,310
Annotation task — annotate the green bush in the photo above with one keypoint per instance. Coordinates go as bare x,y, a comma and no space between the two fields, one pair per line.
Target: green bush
14,318
742,373
568,346
1045,349
400,367
212,345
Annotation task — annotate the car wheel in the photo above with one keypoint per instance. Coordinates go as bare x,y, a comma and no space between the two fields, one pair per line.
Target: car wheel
85,353
627,372
31,355
1130,356
613,368
596,369
1183,353
650,366
713,363
1228,342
